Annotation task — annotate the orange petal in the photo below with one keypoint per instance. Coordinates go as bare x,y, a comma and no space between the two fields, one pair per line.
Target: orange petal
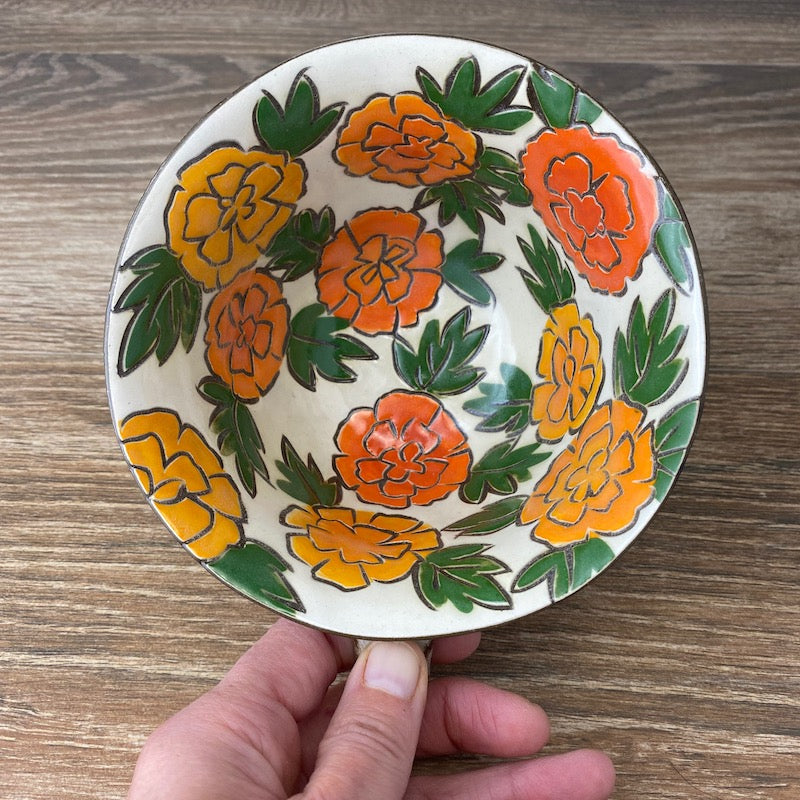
430,253
224,497
186,518
299,517
403,408
379,317
223,535
346,576
203,217
385,222
350,436
356,160
192,442
224,183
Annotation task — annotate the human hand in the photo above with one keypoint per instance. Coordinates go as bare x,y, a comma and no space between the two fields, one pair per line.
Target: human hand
274,728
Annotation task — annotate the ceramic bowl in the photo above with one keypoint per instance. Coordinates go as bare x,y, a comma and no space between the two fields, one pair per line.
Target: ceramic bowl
406,338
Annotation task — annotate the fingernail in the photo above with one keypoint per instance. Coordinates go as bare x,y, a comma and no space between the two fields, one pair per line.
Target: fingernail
392,667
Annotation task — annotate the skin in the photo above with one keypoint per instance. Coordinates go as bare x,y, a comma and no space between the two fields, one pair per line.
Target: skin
277,726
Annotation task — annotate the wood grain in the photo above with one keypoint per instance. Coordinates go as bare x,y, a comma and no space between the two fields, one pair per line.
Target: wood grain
683,661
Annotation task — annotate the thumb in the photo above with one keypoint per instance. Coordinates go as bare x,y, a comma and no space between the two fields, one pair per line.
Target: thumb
368,750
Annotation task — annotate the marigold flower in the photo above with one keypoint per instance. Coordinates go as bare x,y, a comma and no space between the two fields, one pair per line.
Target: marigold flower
248,326
599,483
406,450
351,549
226,209
403,139
596,199
571,364
185,481
381,270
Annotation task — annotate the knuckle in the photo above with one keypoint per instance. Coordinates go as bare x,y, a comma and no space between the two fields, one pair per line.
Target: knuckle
372,738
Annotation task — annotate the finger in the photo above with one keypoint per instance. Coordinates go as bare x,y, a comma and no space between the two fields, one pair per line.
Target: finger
368,750
455,648
579,775
464,716
314,728
260,678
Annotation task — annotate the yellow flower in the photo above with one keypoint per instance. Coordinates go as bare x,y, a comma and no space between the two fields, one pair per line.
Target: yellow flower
226,209
350,548
571,364
599,483
185,481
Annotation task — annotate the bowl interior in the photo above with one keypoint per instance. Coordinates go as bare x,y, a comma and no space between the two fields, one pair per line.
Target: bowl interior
402,352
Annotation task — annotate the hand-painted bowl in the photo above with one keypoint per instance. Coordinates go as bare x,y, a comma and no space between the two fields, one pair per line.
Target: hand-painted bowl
406,338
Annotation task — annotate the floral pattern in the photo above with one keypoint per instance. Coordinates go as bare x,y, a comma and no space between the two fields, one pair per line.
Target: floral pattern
226,209
599,483
356,257
407,450
351,549
595,199
248,324
185,480
381,270
571,364
405,140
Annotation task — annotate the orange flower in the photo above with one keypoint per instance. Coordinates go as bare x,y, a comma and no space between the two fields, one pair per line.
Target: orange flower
381,270
248,325
226,209
570,363
404,139
594,196
407,450
599,483
350,549
185,481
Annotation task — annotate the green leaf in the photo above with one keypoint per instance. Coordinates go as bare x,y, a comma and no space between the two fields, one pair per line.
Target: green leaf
500,470
441,365
551,283
258,572
317,348
166,309
552,96
237,433
566,570
483,108
504,406
466,199
586,109
673,245
304,481
463,576
673,435
552,567
297,246
496,180
588,559
462,268
298,126
491,518
500,171
646,365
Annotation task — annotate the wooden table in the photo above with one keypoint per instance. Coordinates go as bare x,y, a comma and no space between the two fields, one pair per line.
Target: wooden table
683,661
